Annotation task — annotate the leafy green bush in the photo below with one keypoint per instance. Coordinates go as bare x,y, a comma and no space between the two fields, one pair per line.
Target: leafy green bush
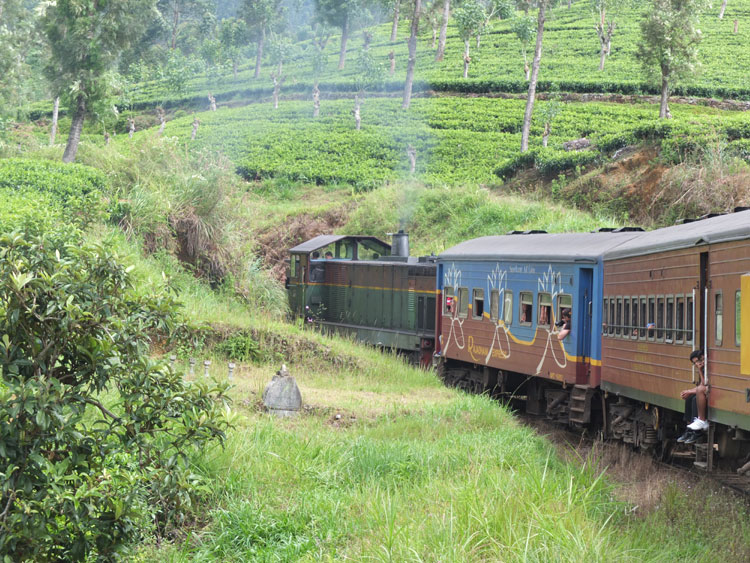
76,189
241,347
94,433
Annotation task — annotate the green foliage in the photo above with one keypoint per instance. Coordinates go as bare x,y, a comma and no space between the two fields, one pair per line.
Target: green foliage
242,347
76,191
469,17
95,434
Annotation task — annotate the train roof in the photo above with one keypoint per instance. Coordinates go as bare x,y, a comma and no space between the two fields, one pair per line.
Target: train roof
539,247
712,230
321,241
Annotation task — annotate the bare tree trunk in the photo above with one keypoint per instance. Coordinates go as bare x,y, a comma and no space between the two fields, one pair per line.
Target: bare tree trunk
76,126
392,58
604,31
162,120
196,123
534,75
723,9
106,139
394,27
259,54
411,152
736,26
212,102
234,68
526,68
479,38
316,99
355,111
55,114
344,39
570,3
443,30
545,135
276,89
131,127
175,23
664,105
434,37
467,58
412,54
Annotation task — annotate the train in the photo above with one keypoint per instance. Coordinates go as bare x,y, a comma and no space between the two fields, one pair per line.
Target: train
639,302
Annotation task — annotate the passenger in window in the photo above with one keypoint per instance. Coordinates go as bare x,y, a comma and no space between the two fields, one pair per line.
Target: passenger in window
329,255
315,255
450,304
563,324
696,402
525,313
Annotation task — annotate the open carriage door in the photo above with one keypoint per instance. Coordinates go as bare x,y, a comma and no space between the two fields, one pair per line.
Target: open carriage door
582,324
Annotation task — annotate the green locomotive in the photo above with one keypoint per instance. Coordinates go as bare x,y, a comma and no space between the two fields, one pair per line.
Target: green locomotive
360,286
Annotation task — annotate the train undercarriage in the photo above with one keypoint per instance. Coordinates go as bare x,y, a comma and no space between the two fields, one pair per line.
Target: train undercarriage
648,428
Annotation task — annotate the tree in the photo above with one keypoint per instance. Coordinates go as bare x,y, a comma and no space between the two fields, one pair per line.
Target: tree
443,30
547,115
669,43
281,49
525,29
18,39
183,17
85,40
340,14
412,62
234,37
394,26
95,433
604,27
469,19
261,17
370,75
318,61
543,6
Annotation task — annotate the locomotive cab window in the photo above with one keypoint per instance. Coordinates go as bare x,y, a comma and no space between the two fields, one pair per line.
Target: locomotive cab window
449,304
526,308
463,301
494,304
477,308
719,318
508,308
294,267
545,309
737,317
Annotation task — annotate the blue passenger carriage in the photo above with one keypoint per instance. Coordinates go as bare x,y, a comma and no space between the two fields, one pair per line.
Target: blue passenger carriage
500,299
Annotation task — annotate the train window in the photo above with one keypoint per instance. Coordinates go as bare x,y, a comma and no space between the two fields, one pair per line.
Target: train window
545,309
611,316
650,332
564,301
527,308
634,318
719,314
494,304
679,319
508,308
605,315
449,306
294,267
689,319
626,317
477,309
669,320
737,317
618,317
660,318
463,301
642,332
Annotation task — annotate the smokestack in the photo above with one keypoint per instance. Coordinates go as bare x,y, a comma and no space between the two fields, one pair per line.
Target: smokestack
400,244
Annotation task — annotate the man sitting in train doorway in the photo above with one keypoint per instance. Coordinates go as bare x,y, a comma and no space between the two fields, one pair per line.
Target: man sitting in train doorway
696,402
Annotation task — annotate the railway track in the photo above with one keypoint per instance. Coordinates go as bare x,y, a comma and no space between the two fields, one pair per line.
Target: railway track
679,461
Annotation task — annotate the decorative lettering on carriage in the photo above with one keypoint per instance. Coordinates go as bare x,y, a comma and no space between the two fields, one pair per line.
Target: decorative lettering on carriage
522,269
